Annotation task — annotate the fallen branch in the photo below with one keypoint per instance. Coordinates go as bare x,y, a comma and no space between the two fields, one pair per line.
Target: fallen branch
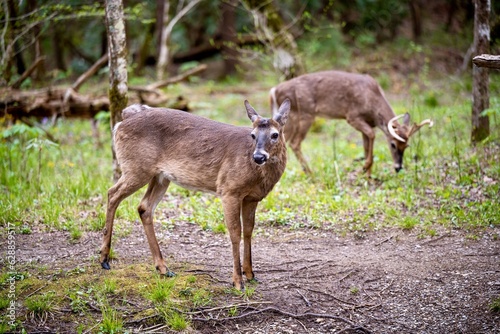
178,78
27,73
489,61
285,313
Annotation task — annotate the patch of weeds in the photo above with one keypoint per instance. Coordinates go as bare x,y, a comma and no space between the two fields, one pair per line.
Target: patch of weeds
220,228
233,311
408,223
39,306
161,290
278,217
97,223
249,291
109,286
111,322
201,297
78,301
176,321
4,302
495,305
76,271
354,290
75,232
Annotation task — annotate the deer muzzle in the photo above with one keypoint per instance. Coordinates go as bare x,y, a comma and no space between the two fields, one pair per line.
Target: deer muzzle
260,158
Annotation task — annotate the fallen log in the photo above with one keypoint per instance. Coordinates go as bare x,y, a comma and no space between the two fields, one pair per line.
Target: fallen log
56,102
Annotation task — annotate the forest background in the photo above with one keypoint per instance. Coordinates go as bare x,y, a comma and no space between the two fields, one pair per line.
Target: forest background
56,166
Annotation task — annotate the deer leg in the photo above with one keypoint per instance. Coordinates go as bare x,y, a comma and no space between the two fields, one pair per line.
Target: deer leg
154,194
248,215
295,141
232,211
116,194
368,140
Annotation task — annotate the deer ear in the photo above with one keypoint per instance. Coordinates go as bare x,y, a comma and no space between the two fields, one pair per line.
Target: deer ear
282,115
252,114
406,119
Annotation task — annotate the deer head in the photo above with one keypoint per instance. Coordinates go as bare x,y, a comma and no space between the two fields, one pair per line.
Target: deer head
401,133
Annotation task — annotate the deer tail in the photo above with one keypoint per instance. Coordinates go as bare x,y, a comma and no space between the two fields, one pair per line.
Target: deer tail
272,98
134,109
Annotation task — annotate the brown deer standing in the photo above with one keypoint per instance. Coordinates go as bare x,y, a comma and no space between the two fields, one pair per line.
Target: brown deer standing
240,165
356,98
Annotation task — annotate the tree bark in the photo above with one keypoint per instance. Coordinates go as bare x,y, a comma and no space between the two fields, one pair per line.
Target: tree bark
416,19
227,29
166,31
480,78
118,77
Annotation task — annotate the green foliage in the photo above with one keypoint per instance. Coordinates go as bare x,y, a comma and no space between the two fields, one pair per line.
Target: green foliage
40,304
495,305
56,185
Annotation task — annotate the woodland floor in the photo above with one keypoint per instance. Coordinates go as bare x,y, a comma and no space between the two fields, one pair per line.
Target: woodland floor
313,281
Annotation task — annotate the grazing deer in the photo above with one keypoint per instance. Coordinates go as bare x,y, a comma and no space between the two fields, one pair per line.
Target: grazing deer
340,95
240,165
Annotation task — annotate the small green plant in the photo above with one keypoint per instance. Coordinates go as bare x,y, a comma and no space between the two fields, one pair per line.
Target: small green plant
78,301
40,305
4,302
111,321
176,321
109,286
233,311
161,289
495,305
408,223
201,298
354,290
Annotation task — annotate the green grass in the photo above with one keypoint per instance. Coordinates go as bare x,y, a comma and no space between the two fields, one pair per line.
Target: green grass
64,187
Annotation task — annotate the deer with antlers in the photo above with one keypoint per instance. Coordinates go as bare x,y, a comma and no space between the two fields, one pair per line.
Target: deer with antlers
356,98
241,165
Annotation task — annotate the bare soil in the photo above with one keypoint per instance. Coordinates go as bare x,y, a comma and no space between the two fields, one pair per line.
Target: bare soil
314,281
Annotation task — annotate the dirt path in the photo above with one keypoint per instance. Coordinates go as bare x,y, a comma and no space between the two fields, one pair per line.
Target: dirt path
387,282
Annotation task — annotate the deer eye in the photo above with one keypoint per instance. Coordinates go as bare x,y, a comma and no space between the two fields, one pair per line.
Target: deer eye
275,135
393,146
253,135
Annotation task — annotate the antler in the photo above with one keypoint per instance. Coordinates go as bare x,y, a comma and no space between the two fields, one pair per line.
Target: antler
417,127
391,128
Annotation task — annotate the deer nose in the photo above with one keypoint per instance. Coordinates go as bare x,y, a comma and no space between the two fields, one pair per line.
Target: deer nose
259,158
398,169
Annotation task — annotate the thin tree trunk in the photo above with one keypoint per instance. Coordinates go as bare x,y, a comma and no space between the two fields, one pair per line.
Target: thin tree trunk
117,52
166,31
163,46
227,30
480,78
416,19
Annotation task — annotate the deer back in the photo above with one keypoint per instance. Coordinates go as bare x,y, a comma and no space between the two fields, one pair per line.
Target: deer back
195,152
334,95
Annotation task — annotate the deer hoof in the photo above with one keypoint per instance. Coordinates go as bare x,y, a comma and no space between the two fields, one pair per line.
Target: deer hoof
169,274
240,287
105,265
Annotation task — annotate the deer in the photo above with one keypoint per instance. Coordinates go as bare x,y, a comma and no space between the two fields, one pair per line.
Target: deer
357,98
240,165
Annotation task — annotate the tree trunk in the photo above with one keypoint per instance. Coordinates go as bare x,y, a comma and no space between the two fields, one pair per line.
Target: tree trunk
227,30
480,78
166,31
274,35
416,19
163,46
117,52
